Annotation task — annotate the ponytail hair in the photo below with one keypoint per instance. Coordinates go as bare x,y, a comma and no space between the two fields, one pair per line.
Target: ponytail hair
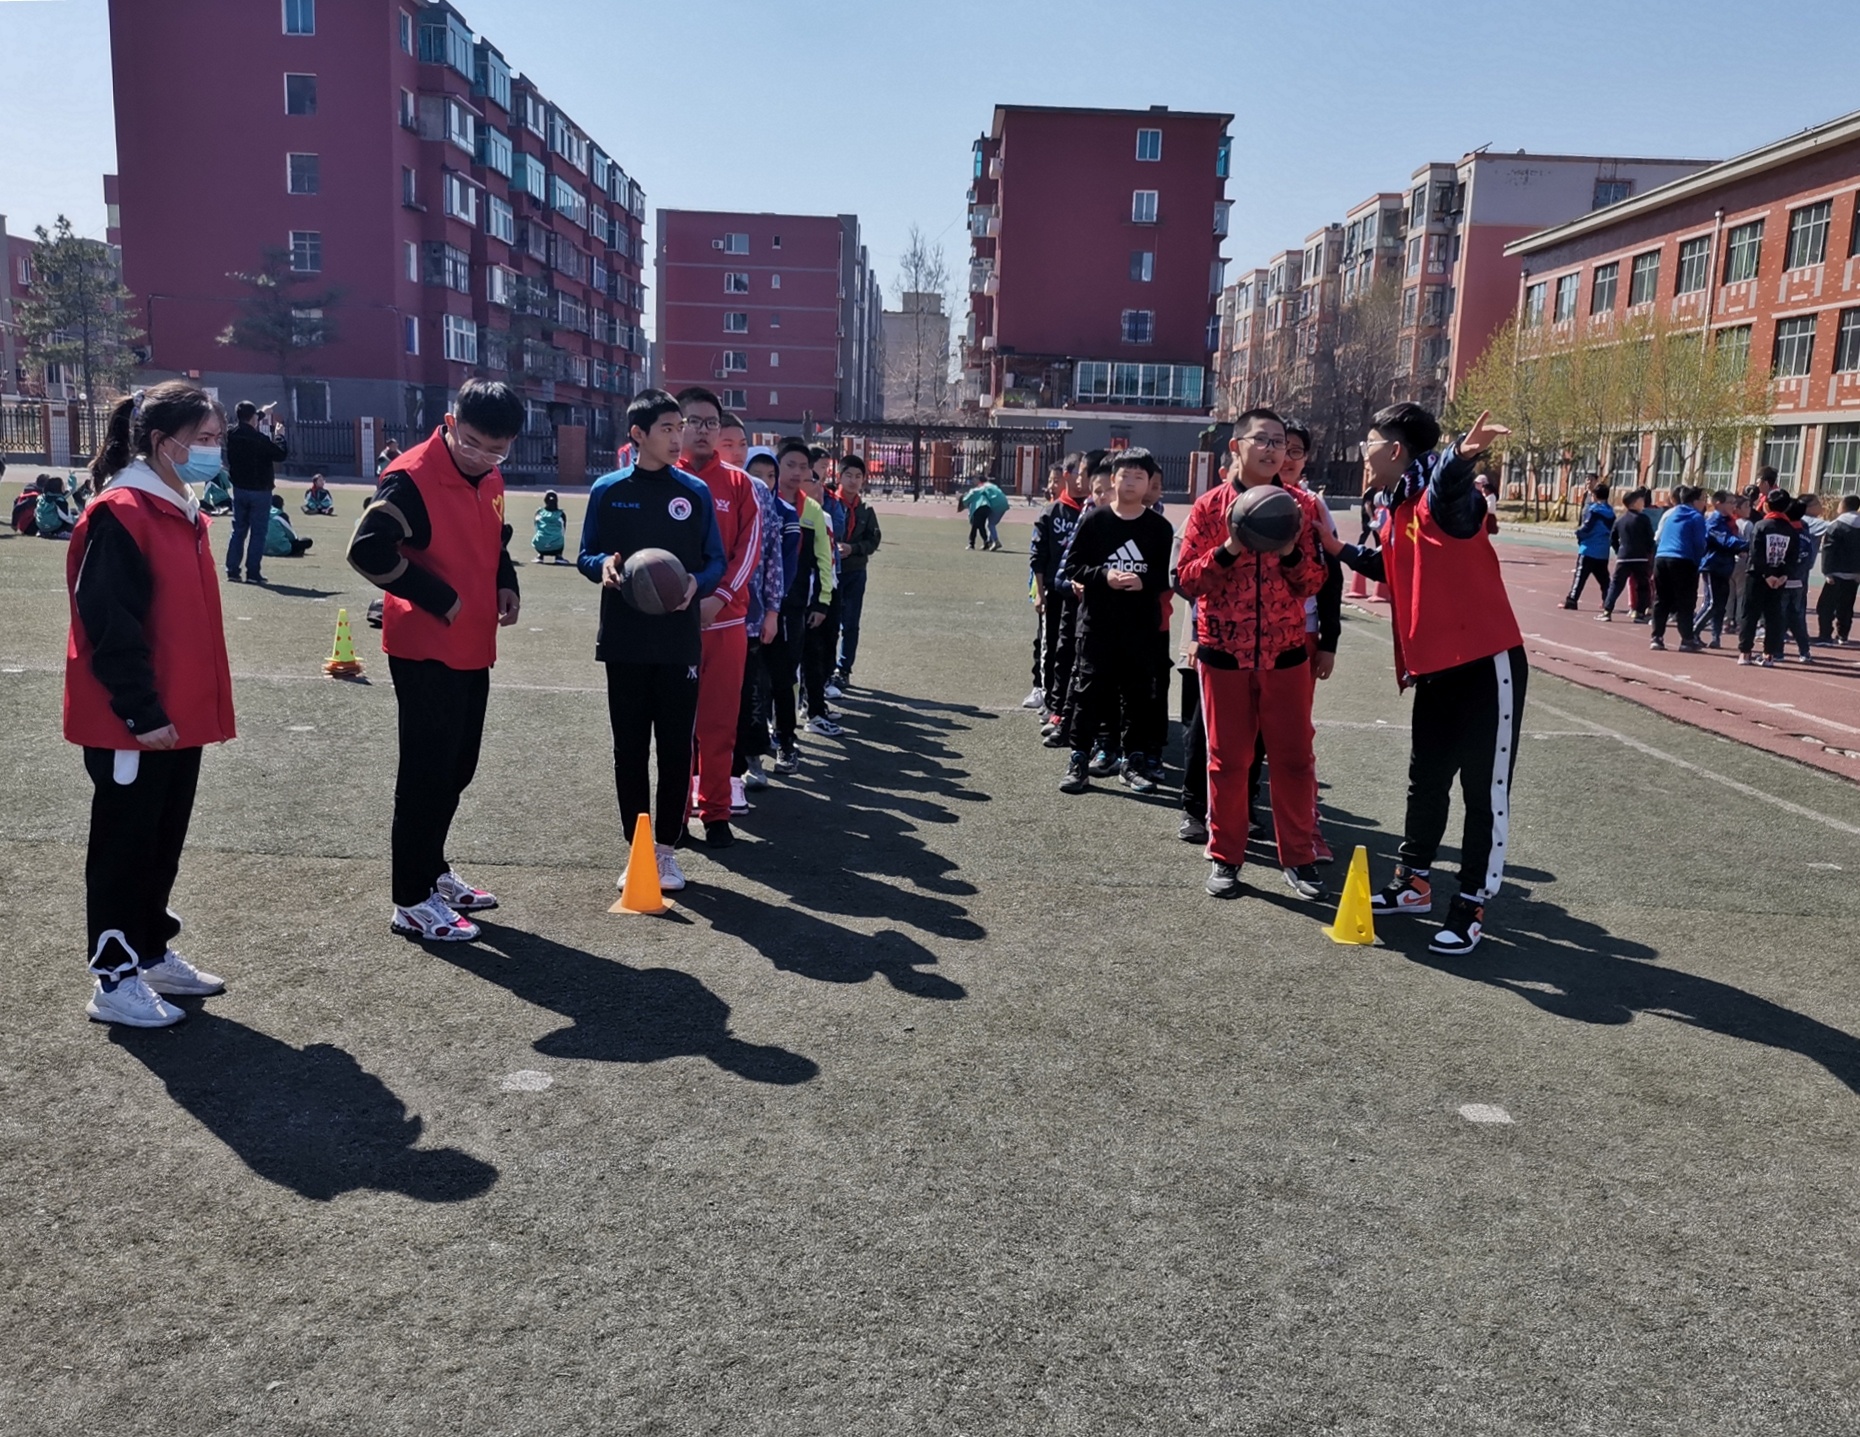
165,408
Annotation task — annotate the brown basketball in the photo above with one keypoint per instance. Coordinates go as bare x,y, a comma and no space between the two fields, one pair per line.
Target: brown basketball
653,581
1264,518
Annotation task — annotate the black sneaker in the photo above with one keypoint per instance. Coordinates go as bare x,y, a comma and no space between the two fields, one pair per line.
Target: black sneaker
1104,763
1464,927
718,835
1056,738
1192,829
1078,775
1223,880
1155,770
1135,775
1406,892
1305,880
787,761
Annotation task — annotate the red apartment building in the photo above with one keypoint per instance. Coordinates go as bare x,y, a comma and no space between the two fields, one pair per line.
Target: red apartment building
1095,259
468,224
16,253
1763,253
779,314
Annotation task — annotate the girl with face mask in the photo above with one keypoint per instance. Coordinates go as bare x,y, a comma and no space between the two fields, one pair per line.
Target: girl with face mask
147,686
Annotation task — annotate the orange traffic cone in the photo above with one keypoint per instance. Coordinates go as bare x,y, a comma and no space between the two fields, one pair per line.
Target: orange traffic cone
342,663
1356,922
641,893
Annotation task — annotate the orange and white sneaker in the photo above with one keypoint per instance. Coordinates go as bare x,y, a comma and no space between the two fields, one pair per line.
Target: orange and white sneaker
1464,927
1409,891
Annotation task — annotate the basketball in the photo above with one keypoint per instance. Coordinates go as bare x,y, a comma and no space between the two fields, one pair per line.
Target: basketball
1264,518
653,581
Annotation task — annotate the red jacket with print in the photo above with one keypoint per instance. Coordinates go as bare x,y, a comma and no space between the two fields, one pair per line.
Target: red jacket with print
1250,608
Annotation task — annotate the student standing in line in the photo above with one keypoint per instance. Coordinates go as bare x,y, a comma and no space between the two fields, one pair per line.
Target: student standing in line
1723,545
862,541
807,562
1775,544
1632,541
1053,600
1678,552
147,686
652,660
1593,535
762,625
433,539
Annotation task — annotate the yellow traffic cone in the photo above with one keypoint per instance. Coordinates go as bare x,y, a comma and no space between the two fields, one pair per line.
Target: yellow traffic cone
342,663
1355,922
642,894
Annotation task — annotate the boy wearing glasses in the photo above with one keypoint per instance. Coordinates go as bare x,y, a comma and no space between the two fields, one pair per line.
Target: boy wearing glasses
723,615
433,538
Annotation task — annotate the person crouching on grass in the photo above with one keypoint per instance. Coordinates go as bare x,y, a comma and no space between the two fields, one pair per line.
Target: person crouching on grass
147,687
1457,643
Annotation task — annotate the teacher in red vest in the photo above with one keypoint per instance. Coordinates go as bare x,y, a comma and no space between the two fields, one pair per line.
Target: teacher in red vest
1457,643
433,538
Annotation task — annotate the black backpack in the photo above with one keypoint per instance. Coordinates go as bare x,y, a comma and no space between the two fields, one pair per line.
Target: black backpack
26,512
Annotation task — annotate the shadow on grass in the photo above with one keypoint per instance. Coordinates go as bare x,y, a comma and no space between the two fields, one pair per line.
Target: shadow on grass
618,1014
293,591
311,1119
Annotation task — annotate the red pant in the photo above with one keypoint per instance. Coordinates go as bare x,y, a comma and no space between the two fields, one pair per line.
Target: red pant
720,701
1238,707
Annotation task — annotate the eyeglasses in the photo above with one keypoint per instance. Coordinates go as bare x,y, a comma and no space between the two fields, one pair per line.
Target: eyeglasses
1264,441
703,425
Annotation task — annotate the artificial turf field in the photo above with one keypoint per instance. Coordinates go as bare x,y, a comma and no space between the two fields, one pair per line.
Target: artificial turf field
944,1103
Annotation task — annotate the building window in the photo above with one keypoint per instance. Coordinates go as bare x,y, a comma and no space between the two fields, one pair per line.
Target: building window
410,333
1847,345
775,243
1533,307
1782,449
735,283
307,251
1143,265
1566,297
738,399
1152,386
1733,349
461,127
409,187
774,359
774,398
530,177
500,221
1143,207
1808,234
1411,300
735,361
1853,239
1840,457
1224,157
409,112
1694,265
301,174
1139,326
1644,278
1414,256
1602,295
491,77
1795,346
461,198
310,400
1743,247
300,94
1624,458
406,33
461,336
1149,144
736,321
774,281
494,151
413,262
1611,192
775,320
736,244
568,202
448,266
1223,212
300,17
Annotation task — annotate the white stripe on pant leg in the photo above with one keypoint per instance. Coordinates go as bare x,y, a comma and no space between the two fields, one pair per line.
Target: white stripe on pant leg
1501,779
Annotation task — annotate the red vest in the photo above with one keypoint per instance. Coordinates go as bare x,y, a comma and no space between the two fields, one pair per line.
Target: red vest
1447,595
468,534
185,633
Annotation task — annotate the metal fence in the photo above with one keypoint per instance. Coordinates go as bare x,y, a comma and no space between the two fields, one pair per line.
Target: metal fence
943,459
318,446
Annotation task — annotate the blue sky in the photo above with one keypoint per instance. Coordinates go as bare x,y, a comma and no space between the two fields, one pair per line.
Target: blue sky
828,106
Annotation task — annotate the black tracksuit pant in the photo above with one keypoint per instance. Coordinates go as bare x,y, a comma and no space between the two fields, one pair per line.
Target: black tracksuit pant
652,707
817,647
1675,596
752,718
1111,692
1194,748
1629,572
1058,645
1466,725
782,658
1586,569
441,730
1834,609
1762,605
137,831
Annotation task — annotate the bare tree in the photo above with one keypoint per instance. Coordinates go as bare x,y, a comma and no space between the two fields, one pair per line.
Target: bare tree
916,335
78,313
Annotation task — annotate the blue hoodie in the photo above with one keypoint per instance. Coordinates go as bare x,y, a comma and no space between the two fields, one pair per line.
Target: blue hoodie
1682,534
1593,533
1722,544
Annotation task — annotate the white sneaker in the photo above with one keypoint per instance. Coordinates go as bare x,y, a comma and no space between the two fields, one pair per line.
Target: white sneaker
671,876
739,795
825,727
434,922
175,977
133,1004
832,691
1034,699
460,896
755,778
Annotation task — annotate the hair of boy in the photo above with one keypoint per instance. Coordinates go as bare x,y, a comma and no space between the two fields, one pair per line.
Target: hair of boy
1091,459
1767,472
245,409
1643,494
277,501
648,407
1244,421
698,394
815,453
851,461
794,446
1850,503
1599,489
1138,459
1777,501
1410,426
1072,460
491,407
1294,429
1721,496
730,421
1105,463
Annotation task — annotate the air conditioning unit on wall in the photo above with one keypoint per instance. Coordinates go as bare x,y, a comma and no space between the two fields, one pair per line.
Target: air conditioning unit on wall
720,374
716,244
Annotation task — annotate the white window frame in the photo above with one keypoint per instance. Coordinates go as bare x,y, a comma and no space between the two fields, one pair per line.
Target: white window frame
735,282
291,157
1743,246
500,220
1821,227
736,321
460,337
736,244
303,8
736,361
410,333
735,399
1798,343
1692,270
774,359
406,34
1145,135
1143,207
1143,266
413,261
313,241
1137,318
309,75
461,198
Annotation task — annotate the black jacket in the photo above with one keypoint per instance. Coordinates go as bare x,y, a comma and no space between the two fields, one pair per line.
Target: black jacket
250,453
1633,535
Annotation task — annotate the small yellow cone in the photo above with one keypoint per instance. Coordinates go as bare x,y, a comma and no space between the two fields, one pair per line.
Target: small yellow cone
1355,922
342,663
642,894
